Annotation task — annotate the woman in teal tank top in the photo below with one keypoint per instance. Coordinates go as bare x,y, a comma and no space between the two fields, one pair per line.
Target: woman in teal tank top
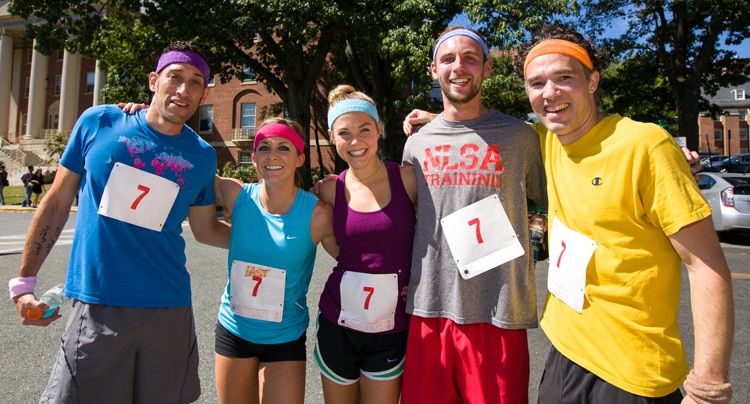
263,315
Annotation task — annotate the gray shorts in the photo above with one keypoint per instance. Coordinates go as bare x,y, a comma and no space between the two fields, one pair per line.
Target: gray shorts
114,354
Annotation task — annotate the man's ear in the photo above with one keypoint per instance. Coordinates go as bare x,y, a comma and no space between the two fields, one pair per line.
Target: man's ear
152,79
594,81
487,68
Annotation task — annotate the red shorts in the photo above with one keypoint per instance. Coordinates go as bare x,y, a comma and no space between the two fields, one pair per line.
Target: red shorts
473,363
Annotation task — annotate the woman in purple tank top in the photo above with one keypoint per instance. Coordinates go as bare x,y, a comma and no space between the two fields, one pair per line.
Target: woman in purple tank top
362,324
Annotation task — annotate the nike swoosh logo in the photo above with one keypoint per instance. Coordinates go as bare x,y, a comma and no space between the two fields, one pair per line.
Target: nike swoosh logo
291,237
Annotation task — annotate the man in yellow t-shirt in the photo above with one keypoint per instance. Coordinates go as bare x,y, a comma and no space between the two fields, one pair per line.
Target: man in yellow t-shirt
624,214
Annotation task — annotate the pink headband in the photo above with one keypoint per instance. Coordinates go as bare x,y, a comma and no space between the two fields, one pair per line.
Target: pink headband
185,56
279,130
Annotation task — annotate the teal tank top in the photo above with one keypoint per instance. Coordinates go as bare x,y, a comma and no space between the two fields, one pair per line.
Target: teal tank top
276,241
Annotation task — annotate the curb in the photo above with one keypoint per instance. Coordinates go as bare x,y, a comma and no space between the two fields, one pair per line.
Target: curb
21,209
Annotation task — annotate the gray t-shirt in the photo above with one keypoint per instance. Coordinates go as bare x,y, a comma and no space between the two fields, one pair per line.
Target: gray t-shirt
457,164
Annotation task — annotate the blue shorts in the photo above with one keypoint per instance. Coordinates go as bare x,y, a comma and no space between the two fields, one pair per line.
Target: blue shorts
232,346
342,353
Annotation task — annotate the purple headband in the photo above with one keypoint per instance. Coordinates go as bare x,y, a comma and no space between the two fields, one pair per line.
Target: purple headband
184,56
279,130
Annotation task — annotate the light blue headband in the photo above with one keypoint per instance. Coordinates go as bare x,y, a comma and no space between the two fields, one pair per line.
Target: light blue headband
351,105
462,32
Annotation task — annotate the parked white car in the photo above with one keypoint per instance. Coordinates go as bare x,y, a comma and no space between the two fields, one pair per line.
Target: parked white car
729,197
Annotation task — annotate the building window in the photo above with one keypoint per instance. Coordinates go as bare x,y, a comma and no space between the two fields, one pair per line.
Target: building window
211,82
743,114
248,75
248,116
206,124
743,133
718,135
245,158
58,84
739,94
90,79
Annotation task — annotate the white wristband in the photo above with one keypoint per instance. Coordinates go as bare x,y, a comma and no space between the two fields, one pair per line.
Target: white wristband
21,286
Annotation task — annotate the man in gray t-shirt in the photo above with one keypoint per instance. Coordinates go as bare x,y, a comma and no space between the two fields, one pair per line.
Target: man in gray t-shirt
472,293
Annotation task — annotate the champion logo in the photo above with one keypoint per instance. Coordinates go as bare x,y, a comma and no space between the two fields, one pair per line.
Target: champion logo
597,181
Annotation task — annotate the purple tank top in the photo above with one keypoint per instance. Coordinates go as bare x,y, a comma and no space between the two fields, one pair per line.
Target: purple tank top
378,242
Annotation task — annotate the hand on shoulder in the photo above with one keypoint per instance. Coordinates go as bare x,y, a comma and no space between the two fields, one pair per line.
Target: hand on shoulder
416,119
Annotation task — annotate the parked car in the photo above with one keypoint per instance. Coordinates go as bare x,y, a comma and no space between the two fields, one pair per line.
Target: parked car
739,163
729,197
707,161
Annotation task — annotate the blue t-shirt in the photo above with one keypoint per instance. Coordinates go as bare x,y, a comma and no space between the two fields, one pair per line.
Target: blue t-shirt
116,263
276,241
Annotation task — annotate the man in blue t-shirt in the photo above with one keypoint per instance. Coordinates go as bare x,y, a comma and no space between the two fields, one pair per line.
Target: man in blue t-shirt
130,332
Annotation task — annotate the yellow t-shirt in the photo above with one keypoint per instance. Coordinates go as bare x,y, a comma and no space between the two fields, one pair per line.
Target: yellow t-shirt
627,186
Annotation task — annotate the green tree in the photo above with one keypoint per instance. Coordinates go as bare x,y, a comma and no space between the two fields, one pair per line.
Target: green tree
245,173
687,37
503,91
506,23
55,146
637,88
109,31
283,44
385,51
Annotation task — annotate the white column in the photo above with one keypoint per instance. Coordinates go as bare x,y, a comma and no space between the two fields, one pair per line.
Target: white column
16,91
6,66
71,72
99,81
37,116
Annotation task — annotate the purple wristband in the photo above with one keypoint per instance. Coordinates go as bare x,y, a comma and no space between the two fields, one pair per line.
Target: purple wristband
21,286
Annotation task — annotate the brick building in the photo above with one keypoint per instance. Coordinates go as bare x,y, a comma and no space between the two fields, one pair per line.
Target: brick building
727,133
44,95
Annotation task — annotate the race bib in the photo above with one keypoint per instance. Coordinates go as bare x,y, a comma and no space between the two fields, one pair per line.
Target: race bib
137,197
368,301
569,256
257,291
481,237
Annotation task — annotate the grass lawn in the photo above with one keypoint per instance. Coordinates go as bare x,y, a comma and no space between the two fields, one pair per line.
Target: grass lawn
13,195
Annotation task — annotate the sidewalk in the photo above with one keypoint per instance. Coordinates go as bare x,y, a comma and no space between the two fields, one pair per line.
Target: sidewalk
21,209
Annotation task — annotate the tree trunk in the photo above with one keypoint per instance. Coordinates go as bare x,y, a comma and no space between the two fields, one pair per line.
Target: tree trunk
687,95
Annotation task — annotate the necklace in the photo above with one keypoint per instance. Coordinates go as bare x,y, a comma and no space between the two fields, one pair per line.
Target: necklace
369,176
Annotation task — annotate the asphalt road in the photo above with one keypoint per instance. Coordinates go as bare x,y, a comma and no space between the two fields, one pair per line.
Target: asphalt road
28,352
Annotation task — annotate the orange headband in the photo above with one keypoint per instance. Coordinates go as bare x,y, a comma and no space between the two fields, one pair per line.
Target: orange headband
560,46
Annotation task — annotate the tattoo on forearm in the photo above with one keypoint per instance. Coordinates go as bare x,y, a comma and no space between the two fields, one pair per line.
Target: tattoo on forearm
47,240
